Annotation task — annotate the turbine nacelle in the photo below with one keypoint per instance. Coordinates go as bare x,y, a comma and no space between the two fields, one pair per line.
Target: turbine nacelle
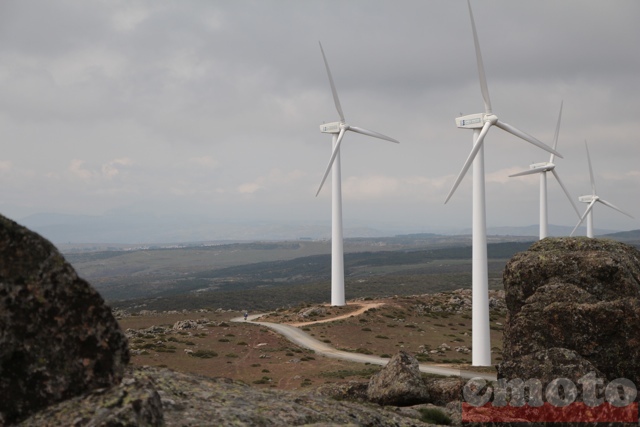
475,121
333,127
588,198
543,166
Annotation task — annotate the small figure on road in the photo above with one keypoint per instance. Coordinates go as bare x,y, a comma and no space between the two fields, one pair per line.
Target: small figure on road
245,315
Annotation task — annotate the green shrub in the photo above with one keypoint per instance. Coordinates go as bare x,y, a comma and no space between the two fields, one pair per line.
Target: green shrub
263,380
424,358
204,354
434,416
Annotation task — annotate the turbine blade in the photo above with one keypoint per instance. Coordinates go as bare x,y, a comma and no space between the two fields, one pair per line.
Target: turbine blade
472,155
372,133
566,192
555,136
522,135
335,152
593,181
529,172
604,202
483,79
333,86
586,212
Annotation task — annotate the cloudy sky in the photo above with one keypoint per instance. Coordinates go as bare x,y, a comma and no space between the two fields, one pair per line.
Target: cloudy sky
212,108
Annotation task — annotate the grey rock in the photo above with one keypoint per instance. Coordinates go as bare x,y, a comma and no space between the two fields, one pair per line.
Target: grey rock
134,402
444,390
399,383
185,325
313,311
192,400
573,307
58,339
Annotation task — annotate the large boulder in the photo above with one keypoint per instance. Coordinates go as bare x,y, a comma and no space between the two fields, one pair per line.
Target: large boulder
58,339
573,308
399,383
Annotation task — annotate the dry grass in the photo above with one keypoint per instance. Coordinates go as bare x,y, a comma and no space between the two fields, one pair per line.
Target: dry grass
256,355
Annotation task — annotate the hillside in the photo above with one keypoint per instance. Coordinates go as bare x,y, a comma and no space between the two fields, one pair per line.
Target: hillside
272,284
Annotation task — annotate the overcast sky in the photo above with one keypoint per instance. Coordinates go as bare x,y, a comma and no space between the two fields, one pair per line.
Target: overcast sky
213,107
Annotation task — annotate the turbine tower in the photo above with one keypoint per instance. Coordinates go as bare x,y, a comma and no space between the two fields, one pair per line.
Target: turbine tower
542,168
591,199
481,123
337,131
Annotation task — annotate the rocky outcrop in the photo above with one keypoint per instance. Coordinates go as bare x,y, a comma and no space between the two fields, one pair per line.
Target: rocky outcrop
57,337
155,397
399,383
134,402
189,325
312,312
443,391
458,301
574,308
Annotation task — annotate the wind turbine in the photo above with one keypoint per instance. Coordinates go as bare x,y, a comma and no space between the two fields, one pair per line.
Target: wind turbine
481,123
542,169
337,131
591,199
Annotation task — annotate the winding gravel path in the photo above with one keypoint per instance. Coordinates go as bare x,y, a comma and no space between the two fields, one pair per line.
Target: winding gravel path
303,339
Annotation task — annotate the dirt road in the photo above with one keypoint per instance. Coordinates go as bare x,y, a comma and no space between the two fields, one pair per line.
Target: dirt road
303,339
364,307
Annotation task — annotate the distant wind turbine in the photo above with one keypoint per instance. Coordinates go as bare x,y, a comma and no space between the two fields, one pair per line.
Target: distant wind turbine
542,169
591,199
337,130
480,123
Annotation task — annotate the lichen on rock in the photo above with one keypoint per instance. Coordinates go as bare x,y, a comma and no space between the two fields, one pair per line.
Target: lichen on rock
573,306
58,339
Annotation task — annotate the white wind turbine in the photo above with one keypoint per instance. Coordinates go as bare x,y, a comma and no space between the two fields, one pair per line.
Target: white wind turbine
480,123
337,130
591,199
542,168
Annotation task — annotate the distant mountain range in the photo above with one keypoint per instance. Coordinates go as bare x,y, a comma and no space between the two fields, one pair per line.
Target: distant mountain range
152,229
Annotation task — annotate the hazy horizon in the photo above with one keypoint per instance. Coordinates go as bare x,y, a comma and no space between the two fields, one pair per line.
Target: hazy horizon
150,229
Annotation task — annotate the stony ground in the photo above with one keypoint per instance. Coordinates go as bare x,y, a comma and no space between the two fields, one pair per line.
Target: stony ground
434,328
